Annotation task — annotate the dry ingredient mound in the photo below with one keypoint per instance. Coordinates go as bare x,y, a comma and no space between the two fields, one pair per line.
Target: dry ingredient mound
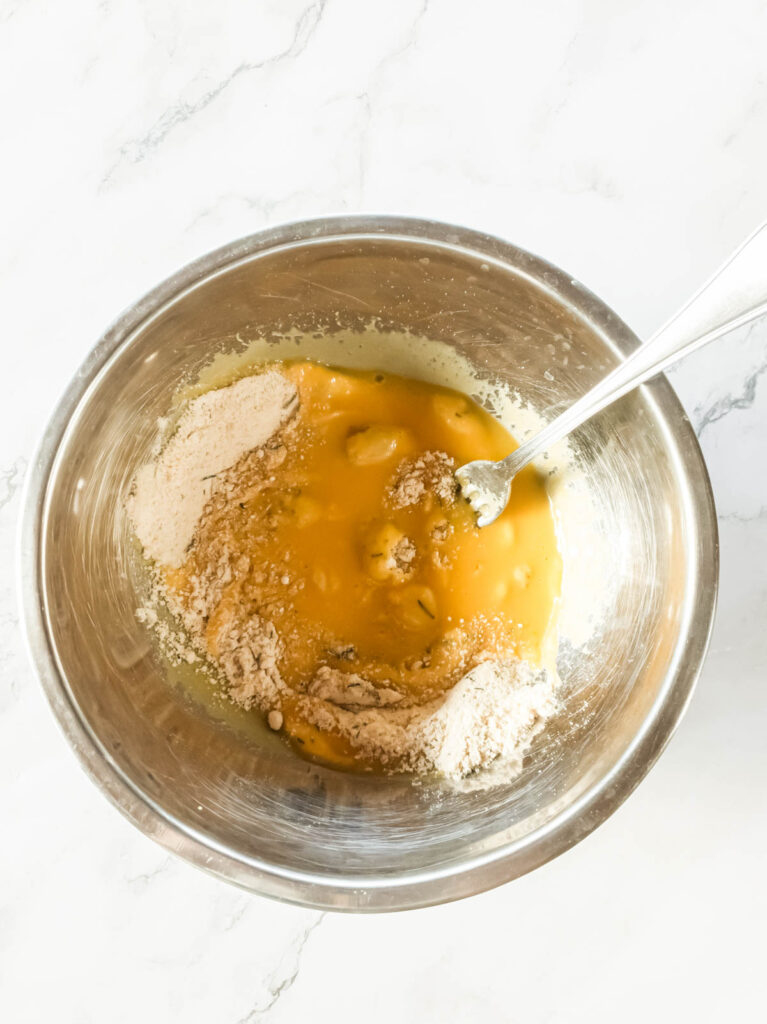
488,719
430,473
214,432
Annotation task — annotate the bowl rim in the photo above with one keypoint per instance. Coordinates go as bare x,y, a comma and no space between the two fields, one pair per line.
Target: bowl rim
418,888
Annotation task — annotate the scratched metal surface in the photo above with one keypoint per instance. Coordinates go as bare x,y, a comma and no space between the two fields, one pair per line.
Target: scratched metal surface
250,811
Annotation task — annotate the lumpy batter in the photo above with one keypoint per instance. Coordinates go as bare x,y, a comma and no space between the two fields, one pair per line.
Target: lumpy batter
344,538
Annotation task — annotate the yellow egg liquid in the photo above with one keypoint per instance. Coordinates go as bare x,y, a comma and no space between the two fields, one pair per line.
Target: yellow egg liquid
323,531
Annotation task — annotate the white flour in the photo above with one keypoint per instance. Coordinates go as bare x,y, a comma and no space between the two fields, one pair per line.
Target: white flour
214,432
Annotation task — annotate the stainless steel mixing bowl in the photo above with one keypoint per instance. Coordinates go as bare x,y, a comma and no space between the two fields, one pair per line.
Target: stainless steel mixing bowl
251,812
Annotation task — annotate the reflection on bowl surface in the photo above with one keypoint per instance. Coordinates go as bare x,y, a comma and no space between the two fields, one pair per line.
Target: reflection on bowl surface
242,806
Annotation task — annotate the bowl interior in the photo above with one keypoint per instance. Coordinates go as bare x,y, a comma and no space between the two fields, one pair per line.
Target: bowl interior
245,805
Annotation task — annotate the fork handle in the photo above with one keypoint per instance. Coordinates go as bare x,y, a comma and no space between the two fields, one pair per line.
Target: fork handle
734,296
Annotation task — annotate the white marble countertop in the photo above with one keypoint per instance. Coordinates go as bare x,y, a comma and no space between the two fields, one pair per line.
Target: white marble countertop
626,142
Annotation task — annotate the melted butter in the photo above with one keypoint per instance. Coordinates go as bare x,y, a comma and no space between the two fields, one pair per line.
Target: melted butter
323,532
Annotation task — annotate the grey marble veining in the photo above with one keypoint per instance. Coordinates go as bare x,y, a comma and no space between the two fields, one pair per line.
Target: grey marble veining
625,142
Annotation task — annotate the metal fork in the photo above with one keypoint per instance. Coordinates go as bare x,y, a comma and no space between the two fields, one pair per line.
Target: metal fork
734,296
